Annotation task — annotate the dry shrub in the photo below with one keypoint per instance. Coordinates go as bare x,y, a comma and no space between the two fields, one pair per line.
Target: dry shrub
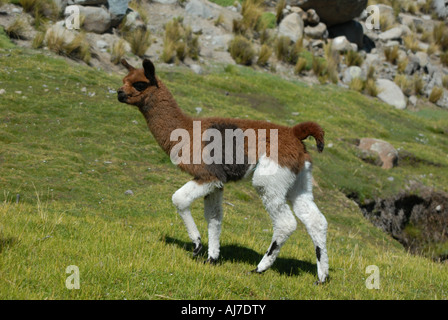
179,42
391,54
264,55
139,40
241,50
436,94
118,51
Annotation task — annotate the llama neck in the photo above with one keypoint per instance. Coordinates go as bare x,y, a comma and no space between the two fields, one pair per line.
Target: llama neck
163,115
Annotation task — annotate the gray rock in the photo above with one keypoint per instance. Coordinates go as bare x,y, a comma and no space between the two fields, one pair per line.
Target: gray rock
96,19
317,32
413,100
117,10
198,8
390,93
386,152
129,193
440,8
311,17
351,73
292,27
341,44
196,69
332,12
391,34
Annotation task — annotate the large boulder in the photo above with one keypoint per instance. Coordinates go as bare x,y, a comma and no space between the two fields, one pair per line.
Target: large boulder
96,19
199,8
352,30
292,27
118,10
440,8
332,12
387,154
390,93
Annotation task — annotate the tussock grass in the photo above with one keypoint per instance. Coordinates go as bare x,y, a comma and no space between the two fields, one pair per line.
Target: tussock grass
139,40
436,94
118,51
353,58
280,6
444,58
300,65
288,51
179,42
78,48
391,54
17,29
440,34
264,55
241,50
411,43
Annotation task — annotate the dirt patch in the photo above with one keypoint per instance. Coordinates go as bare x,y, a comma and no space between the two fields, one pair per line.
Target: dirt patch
417,218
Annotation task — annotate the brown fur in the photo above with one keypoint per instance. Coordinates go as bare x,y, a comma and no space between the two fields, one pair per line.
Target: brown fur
163,115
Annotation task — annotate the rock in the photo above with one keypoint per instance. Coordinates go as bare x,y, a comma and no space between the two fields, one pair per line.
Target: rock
291,26
196,69
443,101
117,10
423,58
129,193
101,44
413,100
390,93
2,91
58,30
332,12
198,8
96,19
166,1
352,30
413,65
341,44
440,8
391,34
311,17
351,73
317,32
410,20
386,152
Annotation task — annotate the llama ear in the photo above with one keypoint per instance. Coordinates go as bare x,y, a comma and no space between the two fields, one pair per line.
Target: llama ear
127,65
150,72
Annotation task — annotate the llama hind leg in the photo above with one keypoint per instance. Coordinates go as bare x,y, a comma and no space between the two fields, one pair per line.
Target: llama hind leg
272,183
213,214
302,200
182,199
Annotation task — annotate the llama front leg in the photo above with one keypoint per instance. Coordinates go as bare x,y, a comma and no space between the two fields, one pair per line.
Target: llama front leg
213,215
182,199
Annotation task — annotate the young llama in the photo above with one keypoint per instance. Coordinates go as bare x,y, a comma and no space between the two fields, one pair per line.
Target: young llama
278,180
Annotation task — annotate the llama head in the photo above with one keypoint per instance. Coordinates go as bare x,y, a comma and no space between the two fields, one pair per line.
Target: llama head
138,84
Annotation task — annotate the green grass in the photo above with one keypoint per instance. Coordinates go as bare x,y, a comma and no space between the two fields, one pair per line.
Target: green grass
71,153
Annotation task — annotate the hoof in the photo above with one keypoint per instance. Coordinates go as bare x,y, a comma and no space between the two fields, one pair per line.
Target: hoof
211,261
255,271
197,249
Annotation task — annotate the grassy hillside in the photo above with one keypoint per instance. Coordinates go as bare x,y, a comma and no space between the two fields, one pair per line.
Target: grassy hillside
70,151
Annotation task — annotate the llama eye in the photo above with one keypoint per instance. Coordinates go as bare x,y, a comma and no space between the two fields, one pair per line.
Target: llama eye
140,86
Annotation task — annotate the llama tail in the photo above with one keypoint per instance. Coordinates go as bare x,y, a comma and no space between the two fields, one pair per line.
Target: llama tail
305,129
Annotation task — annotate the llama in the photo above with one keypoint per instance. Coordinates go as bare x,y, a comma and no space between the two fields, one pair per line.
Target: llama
278,181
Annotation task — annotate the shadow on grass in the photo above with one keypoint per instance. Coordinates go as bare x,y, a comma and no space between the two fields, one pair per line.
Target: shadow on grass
237,253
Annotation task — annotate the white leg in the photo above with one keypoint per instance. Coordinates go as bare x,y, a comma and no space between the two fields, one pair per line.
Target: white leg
213,215
272,183
183,198
302,200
